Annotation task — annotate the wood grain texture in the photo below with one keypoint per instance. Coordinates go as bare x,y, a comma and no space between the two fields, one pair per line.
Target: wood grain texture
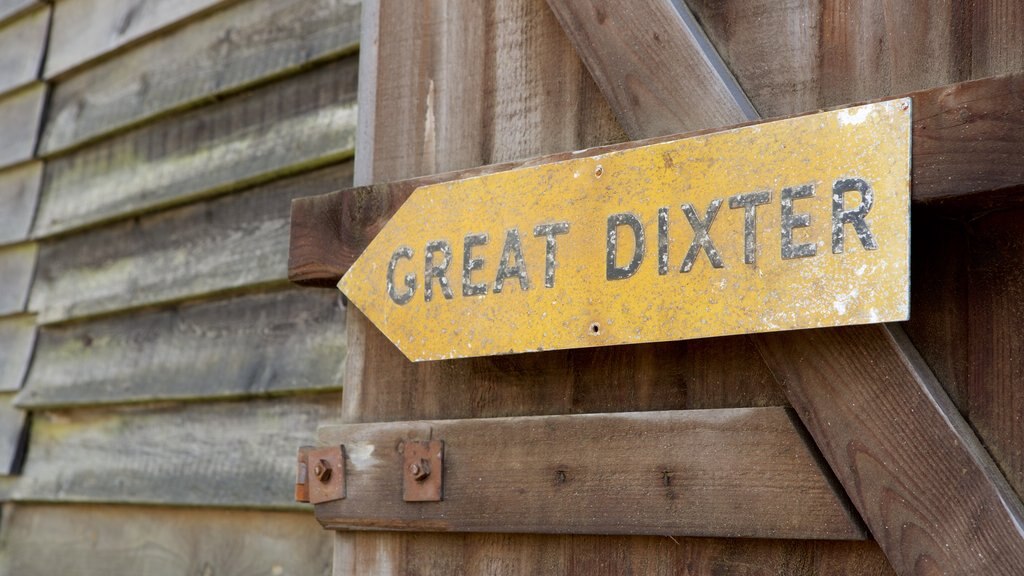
17,340
996,345
998,38
101,540
923,483
303,121
223,52
20,114
10,9
247,345
17,265
743,472
231,454
86,29
12,435
649,57
22,45
231,242
19,192
957,131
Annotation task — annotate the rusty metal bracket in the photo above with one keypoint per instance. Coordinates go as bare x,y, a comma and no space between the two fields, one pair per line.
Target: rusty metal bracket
423,471
320,474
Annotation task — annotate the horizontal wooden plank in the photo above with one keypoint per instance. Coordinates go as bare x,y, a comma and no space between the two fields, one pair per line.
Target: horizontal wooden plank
329,232
10,9
223,52
227,454
86,29
743,472
17,264
22,45
227,243
247,345
17,340
12,430
20,114
19,192
102,540
305,120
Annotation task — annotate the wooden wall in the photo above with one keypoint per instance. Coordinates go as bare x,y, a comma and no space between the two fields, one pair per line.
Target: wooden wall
157,370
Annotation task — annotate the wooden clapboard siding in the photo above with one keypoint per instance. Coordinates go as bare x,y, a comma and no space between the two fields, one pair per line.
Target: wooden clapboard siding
247,345
224,52
12,424
230,454
17,338
22,45
10,9
305,120
235,241
102,540
744,472
86,29
995,272
799,55
17,264
20,113
19,192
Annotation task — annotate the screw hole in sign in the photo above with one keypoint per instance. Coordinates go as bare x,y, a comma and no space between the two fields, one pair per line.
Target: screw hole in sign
595,329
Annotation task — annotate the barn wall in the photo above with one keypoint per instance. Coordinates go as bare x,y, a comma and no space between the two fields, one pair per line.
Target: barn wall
157,371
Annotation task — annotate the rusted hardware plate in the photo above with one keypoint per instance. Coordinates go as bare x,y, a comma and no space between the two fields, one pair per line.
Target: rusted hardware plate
302,475
423,471
797,223
325,473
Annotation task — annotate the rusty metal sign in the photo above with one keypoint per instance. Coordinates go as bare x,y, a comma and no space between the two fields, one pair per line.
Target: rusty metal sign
797,223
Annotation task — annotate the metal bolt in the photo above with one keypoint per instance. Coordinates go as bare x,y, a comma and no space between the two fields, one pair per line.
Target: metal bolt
420,470
599,171
322,470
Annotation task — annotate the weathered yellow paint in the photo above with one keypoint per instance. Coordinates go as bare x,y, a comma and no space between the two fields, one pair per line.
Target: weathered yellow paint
584,308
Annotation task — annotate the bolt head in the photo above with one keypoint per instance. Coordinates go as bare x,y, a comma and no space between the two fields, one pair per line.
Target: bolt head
322,470
420,470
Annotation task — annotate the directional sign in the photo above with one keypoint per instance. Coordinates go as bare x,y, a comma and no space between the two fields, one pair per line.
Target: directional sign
798,223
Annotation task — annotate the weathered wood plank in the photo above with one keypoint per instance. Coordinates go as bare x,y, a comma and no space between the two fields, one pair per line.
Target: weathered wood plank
206,454
22,45
923,483
995,345
223,52
998,38
957,132
203,248
103,540
10,9
20,113
86,29
305,120
17,340
12,439
743,472
17,265
611,38
19,192
248,345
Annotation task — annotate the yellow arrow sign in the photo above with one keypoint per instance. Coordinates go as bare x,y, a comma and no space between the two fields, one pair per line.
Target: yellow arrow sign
798,223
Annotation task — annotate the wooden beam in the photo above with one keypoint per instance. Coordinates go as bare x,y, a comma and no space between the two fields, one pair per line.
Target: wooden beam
654,65
22,45
925,486
20,114
17,268
330,231
17,339
744,472
19,192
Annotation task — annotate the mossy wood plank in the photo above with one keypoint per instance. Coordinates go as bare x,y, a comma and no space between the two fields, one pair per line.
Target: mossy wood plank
231,242
19,192
105,540
20,113
12,424
17,337
252,344
86,29
305,120
17,264
22,45
237,454
223,52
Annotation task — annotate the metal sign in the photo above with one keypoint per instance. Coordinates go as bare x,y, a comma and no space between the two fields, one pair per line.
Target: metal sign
797,223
